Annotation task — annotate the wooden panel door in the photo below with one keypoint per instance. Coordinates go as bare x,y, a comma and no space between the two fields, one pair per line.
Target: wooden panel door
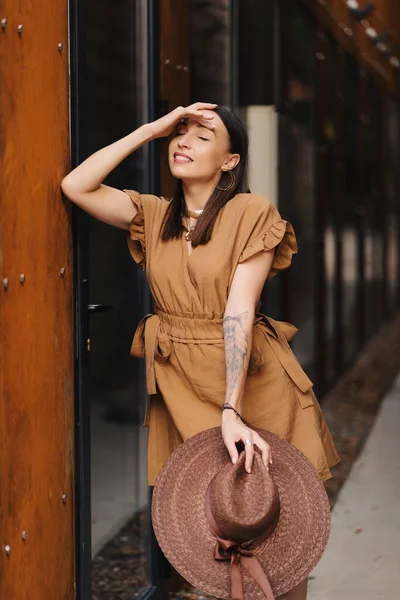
36,306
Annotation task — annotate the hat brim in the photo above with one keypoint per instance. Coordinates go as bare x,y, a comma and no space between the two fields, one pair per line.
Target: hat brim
183,533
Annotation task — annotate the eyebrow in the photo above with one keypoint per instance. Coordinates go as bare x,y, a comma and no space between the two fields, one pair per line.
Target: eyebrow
204,127
184,122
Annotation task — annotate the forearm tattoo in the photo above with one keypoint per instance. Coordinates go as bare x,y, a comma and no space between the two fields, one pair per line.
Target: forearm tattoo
236,346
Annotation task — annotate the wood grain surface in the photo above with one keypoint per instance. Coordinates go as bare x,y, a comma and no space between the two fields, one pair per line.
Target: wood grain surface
36,309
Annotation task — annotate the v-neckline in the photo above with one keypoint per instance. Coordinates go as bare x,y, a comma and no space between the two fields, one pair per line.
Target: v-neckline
189,254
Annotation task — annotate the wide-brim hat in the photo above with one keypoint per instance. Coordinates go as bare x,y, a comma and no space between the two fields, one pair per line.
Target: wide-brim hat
182,527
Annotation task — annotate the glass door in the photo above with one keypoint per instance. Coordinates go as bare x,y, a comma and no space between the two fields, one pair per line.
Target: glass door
111,94
297,151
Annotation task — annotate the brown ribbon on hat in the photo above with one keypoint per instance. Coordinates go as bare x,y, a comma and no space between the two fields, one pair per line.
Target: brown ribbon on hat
240,554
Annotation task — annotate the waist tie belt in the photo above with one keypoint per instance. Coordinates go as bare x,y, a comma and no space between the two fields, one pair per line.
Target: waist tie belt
155,332
278,335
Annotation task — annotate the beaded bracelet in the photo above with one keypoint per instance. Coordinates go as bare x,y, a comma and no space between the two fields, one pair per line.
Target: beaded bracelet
230,407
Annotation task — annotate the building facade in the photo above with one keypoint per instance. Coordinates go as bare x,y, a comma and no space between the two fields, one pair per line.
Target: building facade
317,84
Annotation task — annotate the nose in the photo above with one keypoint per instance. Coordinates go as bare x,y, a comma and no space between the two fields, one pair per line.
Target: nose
184,141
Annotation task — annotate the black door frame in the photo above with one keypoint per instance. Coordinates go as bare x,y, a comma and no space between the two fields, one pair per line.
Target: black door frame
78,110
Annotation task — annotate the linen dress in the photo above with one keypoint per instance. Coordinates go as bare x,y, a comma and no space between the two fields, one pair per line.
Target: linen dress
183,342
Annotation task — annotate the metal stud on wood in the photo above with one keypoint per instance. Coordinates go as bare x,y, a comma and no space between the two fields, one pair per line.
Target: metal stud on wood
4,24
19,29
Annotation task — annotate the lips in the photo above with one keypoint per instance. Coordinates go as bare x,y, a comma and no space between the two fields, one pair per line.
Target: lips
182,159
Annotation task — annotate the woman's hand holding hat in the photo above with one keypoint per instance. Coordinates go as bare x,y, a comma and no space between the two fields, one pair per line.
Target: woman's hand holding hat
233,431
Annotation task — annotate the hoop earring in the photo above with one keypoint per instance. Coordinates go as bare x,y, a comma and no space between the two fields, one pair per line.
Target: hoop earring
231,184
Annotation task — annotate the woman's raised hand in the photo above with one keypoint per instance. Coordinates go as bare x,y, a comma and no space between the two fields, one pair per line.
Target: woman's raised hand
200,111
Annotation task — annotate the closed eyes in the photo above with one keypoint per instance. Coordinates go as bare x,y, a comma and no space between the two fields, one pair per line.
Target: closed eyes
178,133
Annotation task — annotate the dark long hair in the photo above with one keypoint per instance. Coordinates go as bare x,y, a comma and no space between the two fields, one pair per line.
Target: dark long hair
238,144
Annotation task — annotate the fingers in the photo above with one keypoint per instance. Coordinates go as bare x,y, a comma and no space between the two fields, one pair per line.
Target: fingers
203,105
265,449
200,111
249,450
233,453
235,432
203,116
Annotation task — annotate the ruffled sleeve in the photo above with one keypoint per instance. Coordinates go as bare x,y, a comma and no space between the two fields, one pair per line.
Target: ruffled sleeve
136,238
267,230
145,224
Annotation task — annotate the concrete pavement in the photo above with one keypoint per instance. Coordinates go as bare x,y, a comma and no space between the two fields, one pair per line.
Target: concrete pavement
362,560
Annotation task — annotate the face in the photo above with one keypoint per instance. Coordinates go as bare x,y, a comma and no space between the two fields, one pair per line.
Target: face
197,153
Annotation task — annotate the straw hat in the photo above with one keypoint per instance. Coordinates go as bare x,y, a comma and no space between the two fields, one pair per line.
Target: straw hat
232,534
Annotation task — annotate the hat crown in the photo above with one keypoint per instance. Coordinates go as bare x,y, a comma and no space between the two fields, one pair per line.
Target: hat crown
244,505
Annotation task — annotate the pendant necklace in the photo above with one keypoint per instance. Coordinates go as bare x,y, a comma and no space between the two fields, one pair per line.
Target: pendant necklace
188,234
194,214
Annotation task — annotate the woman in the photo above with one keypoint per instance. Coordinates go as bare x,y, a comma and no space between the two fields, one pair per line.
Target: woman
207,254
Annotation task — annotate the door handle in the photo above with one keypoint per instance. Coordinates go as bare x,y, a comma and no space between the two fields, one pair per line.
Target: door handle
96,308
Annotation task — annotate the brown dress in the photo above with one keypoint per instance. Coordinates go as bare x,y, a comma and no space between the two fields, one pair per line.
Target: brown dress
183,342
